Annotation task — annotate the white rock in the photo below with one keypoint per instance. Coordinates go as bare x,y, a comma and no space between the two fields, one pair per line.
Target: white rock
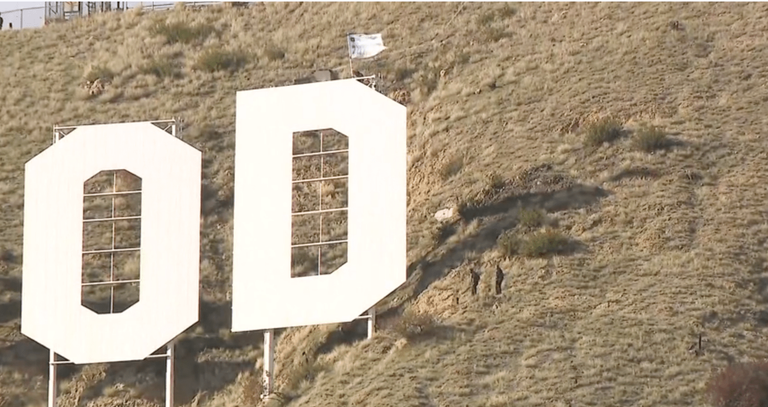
444,214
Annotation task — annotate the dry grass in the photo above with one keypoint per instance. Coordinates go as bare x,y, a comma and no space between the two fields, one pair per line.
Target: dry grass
604,130
649,139
215,59
673,242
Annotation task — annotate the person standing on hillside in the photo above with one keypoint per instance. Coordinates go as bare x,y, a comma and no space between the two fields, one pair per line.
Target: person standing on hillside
1,21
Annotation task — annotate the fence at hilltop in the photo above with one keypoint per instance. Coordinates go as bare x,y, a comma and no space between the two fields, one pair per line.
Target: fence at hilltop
37,17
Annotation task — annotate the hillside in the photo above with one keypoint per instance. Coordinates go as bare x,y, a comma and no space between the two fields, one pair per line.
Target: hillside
662,243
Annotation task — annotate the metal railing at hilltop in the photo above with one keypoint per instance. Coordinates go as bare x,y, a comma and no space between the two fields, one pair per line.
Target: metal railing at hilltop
15,19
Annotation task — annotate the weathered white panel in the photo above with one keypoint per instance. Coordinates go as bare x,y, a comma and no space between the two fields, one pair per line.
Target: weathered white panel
264,295
51,310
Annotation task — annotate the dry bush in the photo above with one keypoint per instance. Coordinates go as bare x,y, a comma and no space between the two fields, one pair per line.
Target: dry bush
602,131
740,385
402,73
509,243
99,72
494,181
414,324
442,232
251,388
161,68
180,32
452,167
649,139
273,53
531,218
7,255
495,34
215,59
543,243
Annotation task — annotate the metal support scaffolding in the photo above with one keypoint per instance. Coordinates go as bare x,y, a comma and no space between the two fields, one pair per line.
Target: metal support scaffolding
268,377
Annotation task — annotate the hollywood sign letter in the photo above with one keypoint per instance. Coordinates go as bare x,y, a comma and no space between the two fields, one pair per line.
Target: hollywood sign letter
264,295
170,172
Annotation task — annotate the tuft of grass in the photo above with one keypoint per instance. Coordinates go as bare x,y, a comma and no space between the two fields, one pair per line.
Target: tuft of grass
7,255
544,243
509,243
402,73
602,131
443,232
494,181
740,384
462,58
95,72
495,34
180,32
161,68
251,388
273,53
452,167
649,139
215,59
531,218
486,18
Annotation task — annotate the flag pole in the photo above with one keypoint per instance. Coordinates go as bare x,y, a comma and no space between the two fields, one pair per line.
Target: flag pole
349,55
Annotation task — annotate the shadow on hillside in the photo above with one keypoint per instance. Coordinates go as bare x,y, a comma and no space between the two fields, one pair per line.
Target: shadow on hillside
193,376
347,334
26,355
756,316
146,379
496,217
10,310
574,197
635,173
502,215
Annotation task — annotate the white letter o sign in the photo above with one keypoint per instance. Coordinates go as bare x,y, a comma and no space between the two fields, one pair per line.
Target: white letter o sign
51,311
264,295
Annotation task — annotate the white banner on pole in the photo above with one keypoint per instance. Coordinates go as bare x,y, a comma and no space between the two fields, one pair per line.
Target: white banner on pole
363,46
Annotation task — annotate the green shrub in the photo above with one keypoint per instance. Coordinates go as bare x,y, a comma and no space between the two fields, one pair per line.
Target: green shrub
649,139
543,243
216,59
180,32
602,131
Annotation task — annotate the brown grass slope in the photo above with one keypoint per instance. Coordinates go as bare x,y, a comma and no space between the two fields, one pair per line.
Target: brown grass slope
663,244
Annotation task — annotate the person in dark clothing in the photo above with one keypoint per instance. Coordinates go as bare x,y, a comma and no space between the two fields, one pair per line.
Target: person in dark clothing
475,281
1,22
499,279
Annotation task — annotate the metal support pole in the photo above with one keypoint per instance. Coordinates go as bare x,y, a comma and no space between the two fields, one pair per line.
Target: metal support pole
371,322
52,380
21,19
269,362
170,374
